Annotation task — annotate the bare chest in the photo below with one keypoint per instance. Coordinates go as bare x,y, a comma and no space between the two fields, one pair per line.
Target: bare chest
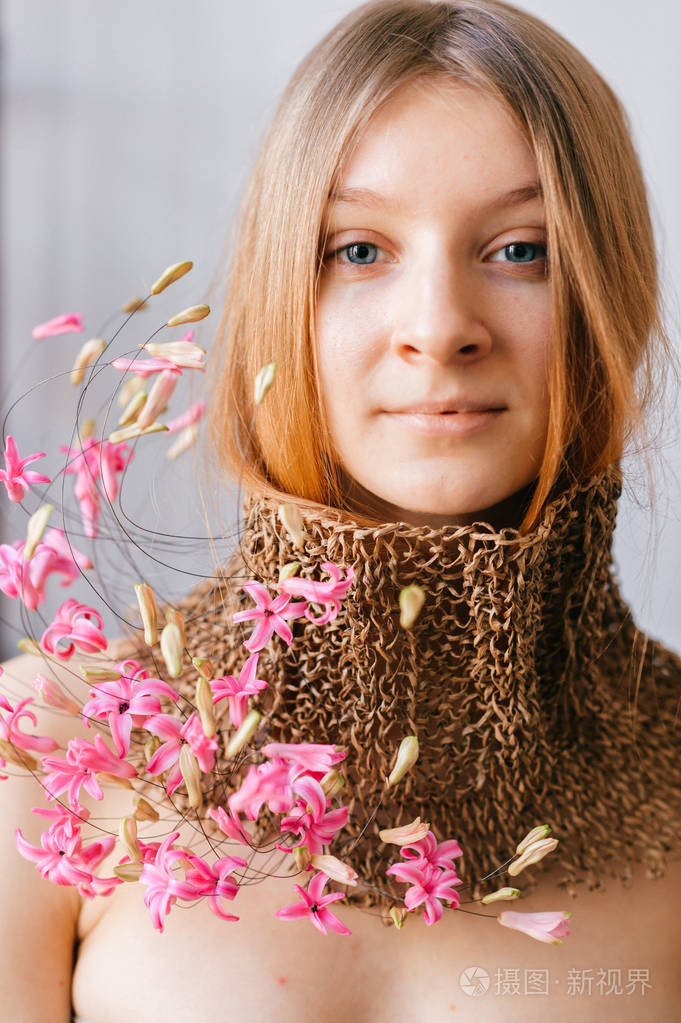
621,961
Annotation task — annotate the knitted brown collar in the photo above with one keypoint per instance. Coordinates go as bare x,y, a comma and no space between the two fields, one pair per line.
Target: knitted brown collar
534,696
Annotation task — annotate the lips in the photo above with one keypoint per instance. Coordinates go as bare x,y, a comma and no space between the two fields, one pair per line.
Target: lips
449,408
453,424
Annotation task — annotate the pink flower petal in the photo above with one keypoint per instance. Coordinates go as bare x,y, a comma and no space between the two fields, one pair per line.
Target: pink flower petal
65,324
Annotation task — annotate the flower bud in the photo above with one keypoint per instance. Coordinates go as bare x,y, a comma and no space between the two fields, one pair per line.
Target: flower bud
88,429
175,617
301,857
532,854
113,779
191,315
186,439
172,648
204,667
263,381
533,836
170,275
30,646
151,745
334,868
53,695
133,431
133,408
503,895
35,527
144,811
407,755
127,834
407,834
184,353
411,601
204,703
159,396
398,916
332,783
288,570
99,673
192,775
88,354
134,305
129,871
130,388
292,521
149,612
18,757
244,733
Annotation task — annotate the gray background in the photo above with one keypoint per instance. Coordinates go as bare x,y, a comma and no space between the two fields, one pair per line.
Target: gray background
129,129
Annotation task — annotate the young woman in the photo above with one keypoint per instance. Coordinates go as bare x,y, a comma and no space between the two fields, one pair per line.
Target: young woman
446,250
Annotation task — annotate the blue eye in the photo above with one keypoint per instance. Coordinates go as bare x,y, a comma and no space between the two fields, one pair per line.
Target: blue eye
362,250
526,252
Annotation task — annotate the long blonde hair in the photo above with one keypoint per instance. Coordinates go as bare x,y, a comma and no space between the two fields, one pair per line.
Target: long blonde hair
609,336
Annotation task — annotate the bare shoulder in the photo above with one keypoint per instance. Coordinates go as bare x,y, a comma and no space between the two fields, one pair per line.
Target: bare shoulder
620,961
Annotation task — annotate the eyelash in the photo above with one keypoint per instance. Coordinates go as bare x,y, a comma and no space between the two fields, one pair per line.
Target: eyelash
531,263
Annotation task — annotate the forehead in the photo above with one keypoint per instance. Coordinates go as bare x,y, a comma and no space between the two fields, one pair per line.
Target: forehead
431,141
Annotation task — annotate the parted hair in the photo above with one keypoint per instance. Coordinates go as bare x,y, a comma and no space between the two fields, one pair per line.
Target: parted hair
610,348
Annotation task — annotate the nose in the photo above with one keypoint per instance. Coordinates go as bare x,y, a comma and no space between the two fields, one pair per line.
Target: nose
437,314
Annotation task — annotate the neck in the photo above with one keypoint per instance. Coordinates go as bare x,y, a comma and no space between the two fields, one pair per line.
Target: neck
509,513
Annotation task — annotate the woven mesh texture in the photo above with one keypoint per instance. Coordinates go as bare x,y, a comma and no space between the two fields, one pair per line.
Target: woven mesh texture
534,696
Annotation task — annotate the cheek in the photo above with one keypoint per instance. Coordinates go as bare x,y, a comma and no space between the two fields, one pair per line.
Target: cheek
348,345
530,332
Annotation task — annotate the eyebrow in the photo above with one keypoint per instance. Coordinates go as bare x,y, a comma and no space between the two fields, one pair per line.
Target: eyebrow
367,197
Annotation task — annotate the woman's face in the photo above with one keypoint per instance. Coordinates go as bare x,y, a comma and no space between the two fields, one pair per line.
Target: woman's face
434,295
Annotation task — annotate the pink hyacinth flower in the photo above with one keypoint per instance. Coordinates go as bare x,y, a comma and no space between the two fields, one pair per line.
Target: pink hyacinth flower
192,415
315,828
96,460
314,906
112,459
25,580
428,886
308,757
148,851
53,695
265,783
238,690
329,594
145,367
132,670
163,887
428,850
65,324
85,464
549,927
17,580
12,733
79,625
271,615
230,825
83,761
167,756
126,704
67,558
214,882
63,859
15,476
